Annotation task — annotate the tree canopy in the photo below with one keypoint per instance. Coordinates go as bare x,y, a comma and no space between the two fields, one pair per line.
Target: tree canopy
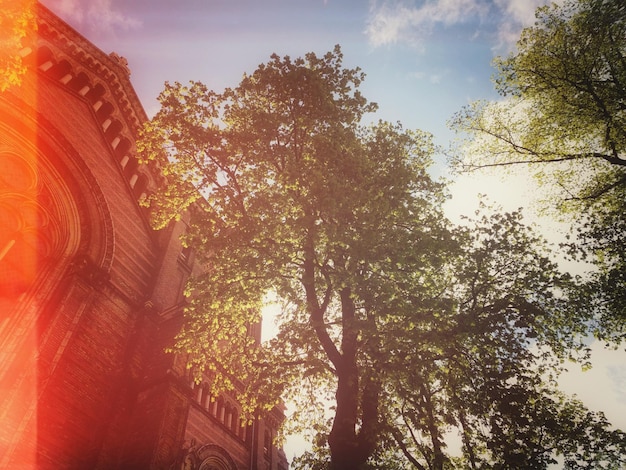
16,21
413,327
564,119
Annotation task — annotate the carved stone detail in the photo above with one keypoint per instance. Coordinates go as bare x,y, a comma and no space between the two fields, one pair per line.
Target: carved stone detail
89,271
206,457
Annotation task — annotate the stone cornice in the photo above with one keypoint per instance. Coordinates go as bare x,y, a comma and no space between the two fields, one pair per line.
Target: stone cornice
111,69
62,54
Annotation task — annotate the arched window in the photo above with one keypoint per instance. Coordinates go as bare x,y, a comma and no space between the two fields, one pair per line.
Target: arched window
95,94
267,443
234,424
206,397
25,227
113,129
228,418
221,410
80,84
104,111
213,457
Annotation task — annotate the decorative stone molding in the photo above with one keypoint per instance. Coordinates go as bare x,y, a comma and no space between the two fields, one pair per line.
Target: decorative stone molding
89,271
66,57
206,457
121,61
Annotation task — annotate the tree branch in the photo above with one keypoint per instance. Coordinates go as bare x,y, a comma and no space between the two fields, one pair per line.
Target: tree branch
399,440
317,311
561,158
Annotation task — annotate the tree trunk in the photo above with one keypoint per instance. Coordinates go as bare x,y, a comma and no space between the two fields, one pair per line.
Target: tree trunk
350,450
343,440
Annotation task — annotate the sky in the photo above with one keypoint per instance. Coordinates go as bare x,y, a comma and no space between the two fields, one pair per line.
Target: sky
423,59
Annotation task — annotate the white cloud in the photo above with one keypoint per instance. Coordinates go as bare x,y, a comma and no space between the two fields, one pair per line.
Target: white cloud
397,21
434,78
520,11
387,24
516,14
411,21
417,75
100,16
68,9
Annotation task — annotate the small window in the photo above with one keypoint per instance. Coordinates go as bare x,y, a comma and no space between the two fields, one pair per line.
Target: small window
267,443
185,254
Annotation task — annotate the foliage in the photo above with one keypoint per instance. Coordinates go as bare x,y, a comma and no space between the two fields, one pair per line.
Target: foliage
564,118
484,370
413,327
17,20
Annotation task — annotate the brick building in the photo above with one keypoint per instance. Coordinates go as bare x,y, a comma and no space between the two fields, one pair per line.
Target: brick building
90,295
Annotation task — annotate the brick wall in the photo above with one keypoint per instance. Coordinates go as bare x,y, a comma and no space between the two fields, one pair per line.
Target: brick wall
84,379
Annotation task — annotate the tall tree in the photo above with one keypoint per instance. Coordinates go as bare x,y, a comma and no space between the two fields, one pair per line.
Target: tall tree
341,221
564,118
481,371
484,369
414,327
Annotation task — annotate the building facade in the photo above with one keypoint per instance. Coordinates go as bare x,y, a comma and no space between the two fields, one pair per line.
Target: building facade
90,295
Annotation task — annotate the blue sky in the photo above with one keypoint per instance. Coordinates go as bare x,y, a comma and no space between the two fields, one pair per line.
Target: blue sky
424,60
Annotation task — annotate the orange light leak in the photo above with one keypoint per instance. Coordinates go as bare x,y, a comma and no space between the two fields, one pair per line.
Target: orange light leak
19,251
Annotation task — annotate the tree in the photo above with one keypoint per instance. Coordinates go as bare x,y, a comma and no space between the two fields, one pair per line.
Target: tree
386,307
17,20
564,118
485,369
301,200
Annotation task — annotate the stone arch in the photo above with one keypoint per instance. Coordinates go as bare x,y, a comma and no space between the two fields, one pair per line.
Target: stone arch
39,222
80,84
51,211
54,222
214,457
44,58
96,225
61,71
95,93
